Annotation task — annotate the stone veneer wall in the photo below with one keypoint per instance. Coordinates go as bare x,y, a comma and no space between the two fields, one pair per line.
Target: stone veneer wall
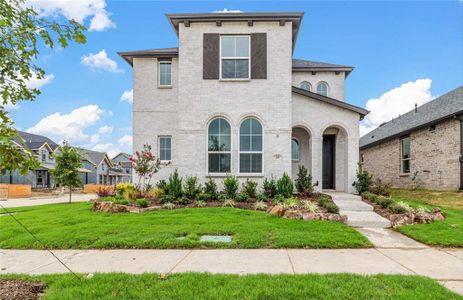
434,155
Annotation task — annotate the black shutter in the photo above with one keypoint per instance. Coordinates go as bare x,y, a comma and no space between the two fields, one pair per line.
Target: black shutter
259,56
211,56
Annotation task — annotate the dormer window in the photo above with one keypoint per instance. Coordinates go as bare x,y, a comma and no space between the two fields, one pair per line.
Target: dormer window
235,57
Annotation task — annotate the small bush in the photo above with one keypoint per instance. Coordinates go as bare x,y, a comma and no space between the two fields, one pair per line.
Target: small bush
309,206
400,208
204,197
174,186
380,188
270,187
108,198
121,201
228,203
278,199
142,203
421,210
242,197
210,187
285,186
304,181
121,188
166,199
168,205
368,195
331,208
364,180
183,200
222,197
261,197
105,191
230,186
291,202
162,184
250,188
260,205
385,202
157,193
191,189
200,203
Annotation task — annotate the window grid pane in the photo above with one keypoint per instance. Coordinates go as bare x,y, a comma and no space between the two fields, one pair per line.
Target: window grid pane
165,74
165,148
322,89
235,57
294,149
251,146
219,146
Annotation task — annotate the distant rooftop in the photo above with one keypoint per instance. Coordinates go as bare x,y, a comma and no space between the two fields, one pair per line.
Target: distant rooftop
300,65
34,141
437,110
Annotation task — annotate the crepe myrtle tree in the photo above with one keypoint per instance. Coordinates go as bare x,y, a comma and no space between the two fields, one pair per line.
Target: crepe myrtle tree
68,162
145,165
22,33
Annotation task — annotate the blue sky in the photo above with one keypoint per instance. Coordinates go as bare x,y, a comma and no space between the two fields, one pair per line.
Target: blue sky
403,52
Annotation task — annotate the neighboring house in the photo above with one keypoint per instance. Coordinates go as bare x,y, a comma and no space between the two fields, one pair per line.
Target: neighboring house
123,164
232,100
103,170
422,148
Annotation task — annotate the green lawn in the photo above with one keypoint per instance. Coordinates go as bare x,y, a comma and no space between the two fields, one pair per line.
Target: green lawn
206,286
75,226
447,233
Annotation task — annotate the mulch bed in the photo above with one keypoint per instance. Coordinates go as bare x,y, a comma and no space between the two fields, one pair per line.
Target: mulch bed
13,289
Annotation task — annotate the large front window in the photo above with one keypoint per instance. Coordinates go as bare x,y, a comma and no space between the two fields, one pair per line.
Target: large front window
251,146
219,146
405,149
234,57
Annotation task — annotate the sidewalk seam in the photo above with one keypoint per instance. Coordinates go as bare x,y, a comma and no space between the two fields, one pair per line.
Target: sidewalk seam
180,261
396,261
290,261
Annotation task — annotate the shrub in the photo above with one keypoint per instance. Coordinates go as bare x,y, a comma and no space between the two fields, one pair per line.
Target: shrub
242,197
368,195
363,182
121,188
261,197
380,188
285,186
278,199
174,186
228,203
210,187
200,203
400,208
260,205
331,208
309,206
291,202
191,188
183,200
105,191
230,186
304,181
222,197
385,202
142,202
108,198
168,205
166,199
162,184
204,197
421,210
121,201
250,188
270,187
157,193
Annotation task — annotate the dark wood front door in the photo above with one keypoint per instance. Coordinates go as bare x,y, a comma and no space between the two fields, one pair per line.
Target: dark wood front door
328,161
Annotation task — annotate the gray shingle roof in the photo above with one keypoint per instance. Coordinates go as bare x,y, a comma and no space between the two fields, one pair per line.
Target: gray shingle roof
34,141
441,108
93,156
308,65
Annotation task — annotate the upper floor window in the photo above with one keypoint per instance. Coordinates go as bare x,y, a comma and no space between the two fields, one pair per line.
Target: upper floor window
234,57
165,73
322,88
44,156
165,148
219,146
405,154
294,149
305,85
250,146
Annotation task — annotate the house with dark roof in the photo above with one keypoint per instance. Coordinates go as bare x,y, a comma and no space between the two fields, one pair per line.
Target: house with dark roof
103,171
231,99
422,148
123,163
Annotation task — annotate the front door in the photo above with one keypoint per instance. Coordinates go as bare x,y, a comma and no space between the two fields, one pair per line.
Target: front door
328,161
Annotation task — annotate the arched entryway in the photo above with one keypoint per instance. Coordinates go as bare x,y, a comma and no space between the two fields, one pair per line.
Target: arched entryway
334,158
301,150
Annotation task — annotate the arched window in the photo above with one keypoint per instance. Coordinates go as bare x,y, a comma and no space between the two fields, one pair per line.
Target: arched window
251,146
305,85
322,88
294,149
219,146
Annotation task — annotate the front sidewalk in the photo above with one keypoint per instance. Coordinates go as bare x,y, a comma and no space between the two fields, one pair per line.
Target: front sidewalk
44,200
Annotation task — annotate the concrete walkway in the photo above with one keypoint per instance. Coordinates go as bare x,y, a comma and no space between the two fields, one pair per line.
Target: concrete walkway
444,265
40,201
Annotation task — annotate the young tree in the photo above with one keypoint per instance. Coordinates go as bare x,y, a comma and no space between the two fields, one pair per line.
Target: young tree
22,32
145,165
68,161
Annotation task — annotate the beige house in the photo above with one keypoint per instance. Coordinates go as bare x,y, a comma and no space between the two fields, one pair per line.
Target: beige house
422,148
231,99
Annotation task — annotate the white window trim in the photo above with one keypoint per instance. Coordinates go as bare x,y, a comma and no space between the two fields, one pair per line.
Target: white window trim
241,174
159,148
404,159
159,74
327,88
219,174
305,81
240,57
298,150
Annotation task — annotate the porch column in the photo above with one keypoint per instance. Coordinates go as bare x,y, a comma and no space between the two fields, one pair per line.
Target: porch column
317,158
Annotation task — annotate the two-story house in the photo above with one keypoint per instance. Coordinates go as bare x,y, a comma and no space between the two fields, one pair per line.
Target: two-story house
232,100
123,164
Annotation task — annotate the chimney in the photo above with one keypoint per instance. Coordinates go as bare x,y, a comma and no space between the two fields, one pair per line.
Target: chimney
416,107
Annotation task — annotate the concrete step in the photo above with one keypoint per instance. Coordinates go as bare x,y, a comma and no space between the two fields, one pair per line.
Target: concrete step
366,219
353,205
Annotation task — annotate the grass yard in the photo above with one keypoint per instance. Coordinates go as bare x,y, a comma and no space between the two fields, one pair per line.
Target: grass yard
447,233
75,226
206,286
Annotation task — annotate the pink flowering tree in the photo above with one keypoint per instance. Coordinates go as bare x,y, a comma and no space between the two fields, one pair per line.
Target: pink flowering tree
145,165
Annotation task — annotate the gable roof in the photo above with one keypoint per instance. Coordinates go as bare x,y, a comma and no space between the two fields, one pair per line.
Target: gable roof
161,52
95,156
361,111
435,111
302,65
124,155
34,141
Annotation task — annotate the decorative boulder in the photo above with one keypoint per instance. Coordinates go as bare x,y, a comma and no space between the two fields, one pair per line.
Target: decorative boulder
292,214
108,206
437,215
276,211
311,216
335,217
423,218
401,219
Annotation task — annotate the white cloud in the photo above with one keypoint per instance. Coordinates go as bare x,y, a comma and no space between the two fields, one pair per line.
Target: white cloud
126,140
127,96
36,83
69,126
106,147
100,62
397,101
95,138
78,10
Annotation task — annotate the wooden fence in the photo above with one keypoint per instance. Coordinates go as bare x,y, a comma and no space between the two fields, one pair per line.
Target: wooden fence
10,191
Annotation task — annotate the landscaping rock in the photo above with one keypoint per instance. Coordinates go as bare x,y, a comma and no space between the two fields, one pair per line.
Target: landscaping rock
423,218
311,216
401,219
108,206
292,214
437,214
335,217
276,211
